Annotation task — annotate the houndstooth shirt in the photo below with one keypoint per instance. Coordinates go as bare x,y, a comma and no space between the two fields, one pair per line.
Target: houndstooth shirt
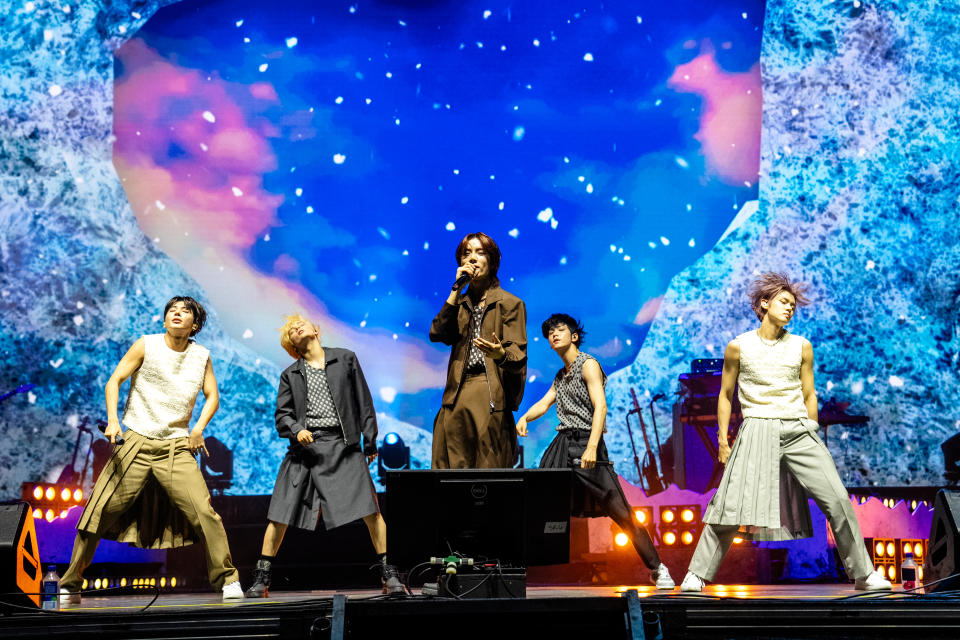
475,356
574,407
321,414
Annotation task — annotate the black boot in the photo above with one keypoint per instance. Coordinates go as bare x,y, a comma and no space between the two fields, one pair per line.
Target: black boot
261,580
391,580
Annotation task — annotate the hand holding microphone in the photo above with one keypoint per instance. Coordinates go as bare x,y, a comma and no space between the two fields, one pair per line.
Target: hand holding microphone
464,275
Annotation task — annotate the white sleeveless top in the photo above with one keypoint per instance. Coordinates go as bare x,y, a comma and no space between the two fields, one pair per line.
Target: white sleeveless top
164,389
769,381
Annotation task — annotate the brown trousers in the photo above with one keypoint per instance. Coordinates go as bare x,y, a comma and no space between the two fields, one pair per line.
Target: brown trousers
174,508
470,436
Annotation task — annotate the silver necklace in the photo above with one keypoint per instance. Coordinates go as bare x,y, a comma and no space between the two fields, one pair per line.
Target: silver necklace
774,343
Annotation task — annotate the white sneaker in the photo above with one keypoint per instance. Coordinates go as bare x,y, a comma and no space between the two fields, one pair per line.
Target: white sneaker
692,583
69,597
233,591
661,577
873,582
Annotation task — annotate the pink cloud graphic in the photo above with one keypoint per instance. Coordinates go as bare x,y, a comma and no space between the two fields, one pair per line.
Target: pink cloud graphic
730,121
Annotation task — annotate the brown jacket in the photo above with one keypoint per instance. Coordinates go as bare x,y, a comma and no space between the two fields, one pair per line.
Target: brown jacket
506,317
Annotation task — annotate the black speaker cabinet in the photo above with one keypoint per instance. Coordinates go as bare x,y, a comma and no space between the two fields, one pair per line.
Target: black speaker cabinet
943,553
20,570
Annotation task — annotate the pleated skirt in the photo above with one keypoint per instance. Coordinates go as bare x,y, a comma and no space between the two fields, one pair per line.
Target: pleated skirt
757,493
593,490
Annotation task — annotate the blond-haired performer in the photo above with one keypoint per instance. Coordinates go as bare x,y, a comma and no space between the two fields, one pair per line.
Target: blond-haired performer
486,328
777,459
151,492
324,408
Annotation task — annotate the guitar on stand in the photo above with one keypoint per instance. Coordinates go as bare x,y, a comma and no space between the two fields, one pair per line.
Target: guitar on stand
651,480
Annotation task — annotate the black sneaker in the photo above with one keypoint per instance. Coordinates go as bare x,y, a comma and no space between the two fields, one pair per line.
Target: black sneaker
391,581
261,580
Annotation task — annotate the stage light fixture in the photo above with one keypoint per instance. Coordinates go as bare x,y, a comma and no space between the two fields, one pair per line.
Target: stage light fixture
96,583
77,495
51,493
63,514
641,516
668,515
686,538
85,584
37,514
669,538
879,549
644,515
891,549
123,582
38,493
64,494
621,539
173,582
394,454
891,573
49,515
737,540
163,581
687,515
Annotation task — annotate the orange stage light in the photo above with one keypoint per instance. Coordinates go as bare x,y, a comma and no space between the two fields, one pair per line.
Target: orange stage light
668,516
51,493
687,515
38,493
621,539
669,537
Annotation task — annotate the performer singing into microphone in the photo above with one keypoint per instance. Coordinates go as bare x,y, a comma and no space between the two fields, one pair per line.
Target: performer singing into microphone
151,493
777,459
325,409
578,390
487,330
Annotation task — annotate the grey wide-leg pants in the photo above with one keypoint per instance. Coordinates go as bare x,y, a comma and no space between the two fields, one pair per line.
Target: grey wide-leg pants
806,458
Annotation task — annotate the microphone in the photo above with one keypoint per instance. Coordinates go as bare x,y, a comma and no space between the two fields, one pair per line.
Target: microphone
117,440
462,280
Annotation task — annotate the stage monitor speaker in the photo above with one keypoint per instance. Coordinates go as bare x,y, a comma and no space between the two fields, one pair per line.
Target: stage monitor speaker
943,553
20,569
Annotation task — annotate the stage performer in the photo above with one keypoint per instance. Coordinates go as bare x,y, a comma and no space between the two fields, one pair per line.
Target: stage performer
777,460
324,408
151,492
487,330
578,390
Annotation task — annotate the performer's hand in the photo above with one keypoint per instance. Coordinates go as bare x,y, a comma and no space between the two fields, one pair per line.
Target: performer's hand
491,347
465,270
371,458
589,458
304,437
196,444
522,427
724,452
112,431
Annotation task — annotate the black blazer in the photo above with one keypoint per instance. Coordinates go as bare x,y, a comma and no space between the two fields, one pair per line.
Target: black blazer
351,397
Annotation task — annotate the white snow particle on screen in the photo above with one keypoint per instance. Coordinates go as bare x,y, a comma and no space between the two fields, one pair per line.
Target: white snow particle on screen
79,305
456,172
209,117
404,200
620,250
266,238
563,259
856,4
122,29
626,258
513,233
339,100
518,133
47,35
500,206
681,162
406,324
589,188
298,191
246,40
493,177
396,121
203,146
401,23
405,253
383,232
613,248
692,243
487,13
830,385
503,47
28,7
388,394
78,319
895,381
744,15
639,20
239,23
871,265
580,178
339,158
55,90
372,277
388,74
857,387
247,334
236,191
309,209
363,323
545,215
588,57
160,205
426,245
450,227
136,16
652,245
291,42
263,67
418,65
553,223
665,241
566,160
479,45
352,8
794,111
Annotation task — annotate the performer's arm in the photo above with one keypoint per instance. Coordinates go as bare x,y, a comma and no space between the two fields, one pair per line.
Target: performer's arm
129,363
728,381
445,328
593,376
806,381
510,352
539,408
210,407
365,412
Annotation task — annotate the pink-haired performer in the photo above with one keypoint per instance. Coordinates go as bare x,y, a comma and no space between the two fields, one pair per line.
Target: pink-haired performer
777,459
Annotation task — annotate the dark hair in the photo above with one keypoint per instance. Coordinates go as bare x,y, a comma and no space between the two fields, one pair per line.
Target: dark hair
199,313
558,319
489,246
769,284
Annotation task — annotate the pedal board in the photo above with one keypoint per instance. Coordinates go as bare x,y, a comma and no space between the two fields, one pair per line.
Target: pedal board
485,582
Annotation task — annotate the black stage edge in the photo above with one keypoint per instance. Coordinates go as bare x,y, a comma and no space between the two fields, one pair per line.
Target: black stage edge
582,617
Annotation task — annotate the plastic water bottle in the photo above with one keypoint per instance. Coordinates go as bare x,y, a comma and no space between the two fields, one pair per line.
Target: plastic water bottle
51,589
908,572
